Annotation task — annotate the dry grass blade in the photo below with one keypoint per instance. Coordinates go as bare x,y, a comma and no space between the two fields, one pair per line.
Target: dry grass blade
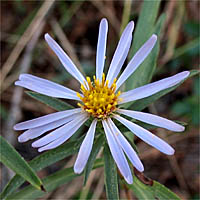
65,43
32,28
126,15
108,13
15,112
172,159
173,31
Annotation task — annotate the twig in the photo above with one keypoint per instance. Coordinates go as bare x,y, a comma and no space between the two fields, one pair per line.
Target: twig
32,28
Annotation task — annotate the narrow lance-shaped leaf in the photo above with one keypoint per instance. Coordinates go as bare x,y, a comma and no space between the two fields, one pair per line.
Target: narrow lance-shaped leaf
110,172
140,190
151,191
148,67
12,159
162,193
143,31
43,161
50,101
50,183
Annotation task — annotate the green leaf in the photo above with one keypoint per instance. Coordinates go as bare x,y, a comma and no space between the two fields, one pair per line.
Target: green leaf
50,183
155,191
144,29
12,159
143,103
43,161
95,150
163,193
50,101
110,172
140,190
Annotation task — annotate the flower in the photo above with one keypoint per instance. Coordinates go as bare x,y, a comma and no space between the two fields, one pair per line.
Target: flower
99,99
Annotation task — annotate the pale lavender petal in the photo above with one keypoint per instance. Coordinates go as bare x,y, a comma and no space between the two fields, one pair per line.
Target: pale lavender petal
147,136
67,128
85,149
46,119
118,154
46,90
101,48
132,155
65,60
63,138
153,119
43,82
36,132
152,88
137,59
120,53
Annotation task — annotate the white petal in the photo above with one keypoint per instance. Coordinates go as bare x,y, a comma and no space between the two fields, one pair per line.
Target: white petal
153,119
85,149
120,53
152,88
132,155
63,138
46,90
101,48
46,119
137,59
118,154
66,129
36,80
147,136
65,60
36,132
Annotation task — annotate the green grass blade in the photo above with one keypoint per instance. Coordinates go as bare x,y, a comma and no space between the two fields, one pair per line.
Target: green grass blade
187,48
12,159
110,172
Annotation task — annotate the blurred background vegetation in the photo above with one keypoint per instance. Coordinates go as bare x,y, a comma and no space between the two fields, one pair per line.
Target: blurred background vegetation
74,24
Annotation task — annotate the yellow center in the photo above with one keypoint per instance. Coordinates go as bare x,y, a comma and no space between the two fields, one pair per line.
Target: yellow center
99,100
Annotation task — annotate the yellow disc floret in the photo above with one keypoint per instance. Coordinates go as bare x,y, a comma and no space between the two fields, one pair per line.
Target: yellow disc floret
98,99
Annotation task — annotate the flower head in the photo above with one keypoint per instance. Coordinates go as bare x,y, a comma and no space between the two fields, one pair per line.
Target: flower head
99,99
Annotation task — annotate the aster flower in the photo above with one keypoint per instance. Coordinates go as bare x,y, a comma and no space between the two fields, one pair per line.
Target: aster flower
99,100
